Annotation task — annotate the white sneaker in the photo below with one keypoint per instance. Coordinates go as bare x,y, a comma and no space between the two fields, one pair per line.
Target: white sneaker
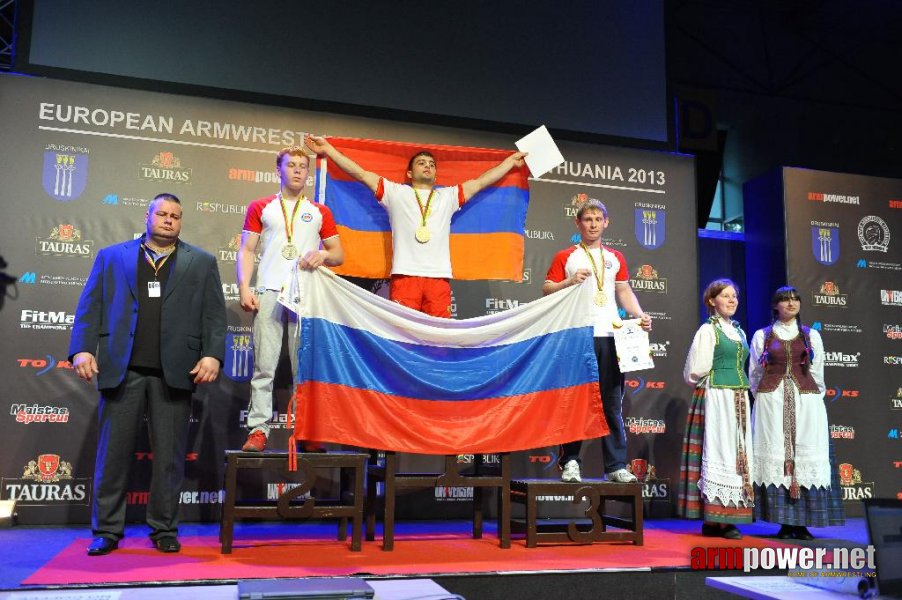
571,472
622,476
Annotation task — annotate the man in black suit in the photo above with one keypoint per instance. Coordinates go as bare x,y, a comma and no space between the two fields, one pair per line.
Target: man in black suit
153,313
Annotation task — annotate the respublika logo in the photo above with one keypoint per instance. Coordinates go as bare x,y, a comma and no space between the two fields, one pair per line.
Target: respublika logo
165,166
650,226
64,240
221,208
873,234
539,234
830,295
892,360
45,481
239,357
825,242
647,280
65,173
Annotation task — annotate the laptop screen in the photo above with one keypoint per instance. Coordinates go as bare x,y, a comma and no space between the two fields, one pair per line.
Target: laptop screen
312,588
884,518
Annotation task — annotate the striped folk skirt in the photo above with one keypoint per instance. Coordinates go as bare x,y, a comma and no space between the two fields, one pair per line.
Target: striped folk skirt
815,508
691,504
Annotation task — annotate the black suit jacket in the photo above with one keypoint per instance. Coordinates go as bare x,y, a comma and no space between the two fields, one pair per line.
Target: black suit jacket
192,319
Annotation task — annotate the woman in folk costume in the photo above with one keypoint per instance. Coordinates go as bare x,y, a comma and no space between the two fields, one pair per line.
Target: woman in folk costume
790,436
715,473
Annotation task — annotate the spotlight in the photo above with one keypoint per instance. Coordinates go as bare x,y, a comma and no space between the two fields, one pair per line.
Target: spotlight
7,513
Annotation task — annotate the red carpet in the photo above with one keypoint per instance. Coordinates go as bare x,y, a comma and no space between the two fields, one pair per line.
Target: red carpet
136,561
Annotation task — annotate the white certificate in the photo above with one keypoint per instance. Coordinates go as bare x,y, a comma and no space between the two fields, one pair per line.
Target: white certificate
542,153
633,351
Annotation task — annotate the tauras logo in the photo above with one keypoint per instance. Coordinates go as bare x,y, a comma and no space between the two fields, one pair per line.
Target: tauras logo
47,480
64,240
853,488
647,280
165,166
829,295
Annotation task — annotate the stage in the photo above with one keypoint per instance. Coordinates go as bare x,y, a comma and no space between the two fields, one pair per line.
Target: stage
51,559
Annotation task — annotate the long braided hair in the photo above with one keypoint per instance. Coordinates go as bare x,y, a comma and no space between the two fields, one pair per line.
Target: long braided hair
787,292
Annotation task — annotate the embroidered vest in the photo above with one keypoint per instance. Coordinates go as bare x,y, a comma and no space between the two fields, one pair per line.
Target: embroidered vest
727,369
787,359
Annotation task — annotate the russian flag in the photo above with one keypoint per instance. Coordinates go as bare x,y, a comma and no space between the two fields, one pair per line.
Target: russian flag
492,223
375,374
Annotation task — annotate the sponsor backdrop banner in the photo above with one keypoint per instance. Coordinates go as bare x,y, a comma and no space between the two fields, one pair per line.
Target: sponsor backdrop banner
843,239
80,164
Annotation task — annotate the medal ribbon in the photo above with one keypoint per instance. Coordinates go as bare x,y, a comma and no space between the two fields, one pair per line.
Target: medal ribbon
424,211
289,224
156,261
599,279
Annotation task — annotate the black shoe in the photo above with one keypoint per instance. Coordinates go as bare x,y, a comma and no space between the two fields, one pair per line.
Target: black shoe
167,544
731,533
803,534
786,532
710,530
101,546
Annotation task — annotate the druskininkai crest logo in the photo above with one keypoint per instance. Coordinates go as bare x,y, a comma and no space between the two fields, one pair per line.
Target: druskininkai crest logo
239,357
650,227
825,244
65,174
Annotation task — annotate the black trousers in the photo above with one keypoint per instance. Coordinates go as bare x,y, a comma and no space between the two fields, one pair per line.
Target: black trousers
122,411
610,380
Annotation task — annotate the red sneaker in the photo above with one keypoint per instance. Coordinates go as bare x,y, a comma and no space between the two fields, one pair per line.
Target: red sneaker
256,442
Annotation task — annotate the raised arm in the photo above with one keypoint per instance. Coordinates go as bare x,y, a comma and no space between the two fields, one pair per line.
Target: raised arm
320,145
474,186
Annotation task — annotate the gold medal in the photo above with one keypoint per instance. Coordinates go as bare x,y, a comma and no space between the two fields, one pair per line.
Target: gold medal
422,234
601,298
289,252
